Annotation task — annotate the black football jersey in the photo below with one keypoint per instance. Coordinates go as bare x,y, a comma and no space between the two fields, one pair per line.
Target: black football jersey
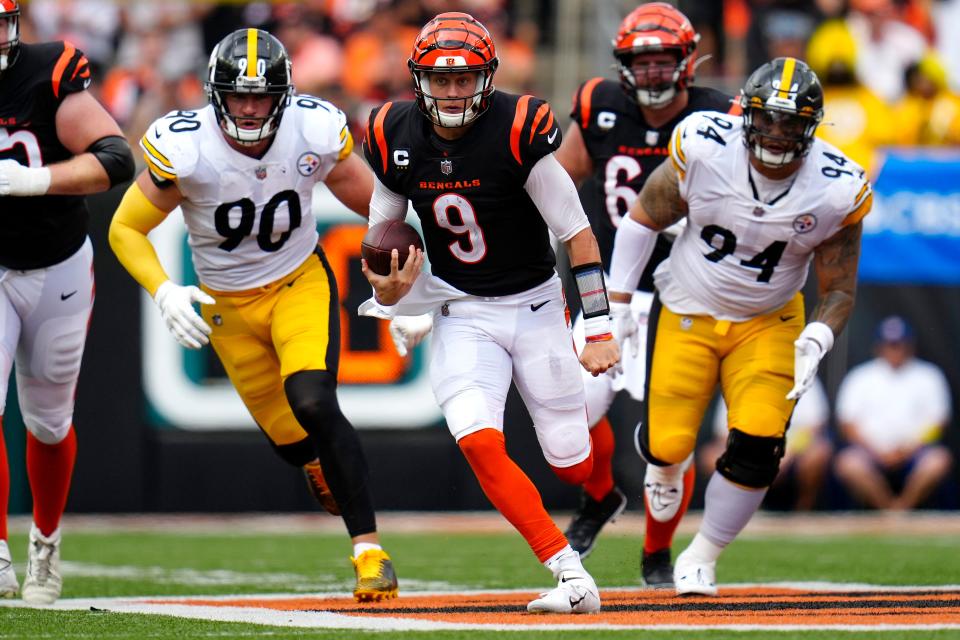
43,230
625,150
482,232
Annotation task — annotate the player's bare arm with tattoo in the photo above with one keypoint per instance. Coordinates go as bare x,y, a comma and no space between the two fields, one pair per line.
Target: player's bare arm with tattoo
658,206
836,263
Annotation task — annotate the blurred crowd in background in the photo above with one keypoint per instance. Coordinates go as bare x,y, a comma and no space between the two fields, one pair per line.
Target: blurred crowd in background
891,68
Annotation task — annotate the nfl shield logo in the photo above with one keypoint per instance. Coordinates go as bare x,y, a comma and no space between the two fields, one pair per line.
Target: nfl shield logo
758,211
446,167
261,173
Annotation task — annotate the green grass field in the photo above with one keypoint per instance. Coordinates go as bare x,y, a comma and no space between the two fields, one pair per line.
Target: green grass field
144,563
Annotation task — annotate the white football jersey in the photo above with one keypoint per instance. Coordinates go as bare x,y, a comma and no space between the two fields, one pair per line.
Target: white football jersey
744,253
249,220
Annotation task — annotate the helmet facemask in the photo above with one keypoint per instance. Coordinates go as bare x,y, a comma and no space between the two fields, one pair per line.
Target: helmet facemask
433,105
653,84
778,137
9,37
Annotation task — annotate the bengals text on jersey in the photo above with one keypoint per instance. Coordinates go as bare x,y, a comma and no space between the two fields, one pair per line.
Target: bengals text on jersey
43,230
482,232
249,219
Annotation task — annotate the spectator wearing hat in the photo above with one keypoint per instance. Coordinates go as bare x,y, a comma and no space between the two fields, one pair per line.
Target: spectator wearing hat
892,411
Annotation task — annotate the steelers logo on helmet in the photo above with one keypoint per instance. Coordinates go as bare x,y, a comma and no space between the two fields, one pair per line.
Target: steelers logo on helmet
9,33
249,61
782,104
656,50
450,45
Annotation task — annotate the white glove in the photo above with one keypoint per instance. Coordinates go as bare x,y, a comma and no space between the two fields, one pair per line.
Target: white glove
18,180
814,342
176,307
624,327
409,331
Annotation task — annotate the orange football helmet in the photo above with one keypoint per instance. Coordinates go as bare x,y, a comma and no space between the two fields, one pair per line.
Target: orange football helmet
9,33
453,42
656,27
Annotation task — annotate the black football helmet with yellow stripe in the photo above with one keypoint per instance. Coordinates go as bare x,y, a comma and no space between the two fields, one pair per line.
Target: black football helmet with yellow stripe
249,61
782,104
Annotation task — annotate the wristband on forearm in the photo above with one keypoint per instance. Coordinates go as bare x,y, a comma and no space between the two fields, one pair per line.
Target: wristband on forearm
593,301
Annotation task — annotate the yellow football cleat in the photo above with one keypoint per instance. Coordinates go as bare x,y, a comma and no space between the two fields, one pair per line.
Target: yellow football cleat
376,579
319,489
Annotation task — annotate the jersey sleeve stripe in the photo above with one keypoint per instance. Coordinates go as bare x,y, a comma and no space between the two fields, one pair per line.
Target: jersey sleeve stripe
548,124
862,193
676,152
541,112
379,137
518,119
347,147
586,96
82,68
61,66
158,157
157,170
860,212
735,108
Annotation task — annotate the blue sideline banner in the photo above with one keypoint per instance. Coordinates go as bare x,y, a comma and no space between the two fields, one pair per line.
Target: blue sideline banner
912,236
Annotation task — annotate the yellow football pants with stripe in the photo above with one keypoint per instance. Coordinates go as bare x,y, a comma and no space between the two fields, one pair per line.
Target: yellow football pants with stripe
688,355
266,334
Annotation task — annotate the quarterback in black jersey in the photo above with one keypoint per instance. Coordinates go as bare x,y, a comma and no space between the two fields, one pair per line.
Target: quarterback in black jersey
478,166
56,144
618,135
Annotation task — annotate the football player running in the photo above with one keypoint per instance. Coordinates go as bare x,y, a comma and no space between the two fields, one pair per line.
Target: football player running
479,168
763,199
57,143
242,169
618,136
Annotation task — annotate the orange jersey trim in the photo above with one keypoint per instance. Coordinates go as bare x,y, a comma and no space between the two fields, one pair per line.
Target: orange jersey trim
586,95
378,135
518,119
61,66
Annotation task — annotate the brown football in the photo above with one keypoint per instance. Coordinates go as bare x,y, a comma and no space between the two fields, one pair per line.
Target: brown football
384,237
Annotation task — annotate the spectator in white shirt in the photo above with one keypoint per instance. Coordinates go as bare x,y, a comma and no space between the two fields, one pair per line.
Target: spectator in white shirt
892,411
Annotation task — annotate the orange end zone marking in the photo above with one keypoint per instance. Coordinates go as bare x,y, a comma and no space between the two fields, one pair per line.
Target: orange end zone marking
768,606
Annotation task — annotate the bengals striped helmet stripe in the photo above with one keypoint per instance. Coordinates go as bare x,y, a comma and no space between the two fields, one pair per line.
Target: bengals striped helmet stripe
9,6
453,40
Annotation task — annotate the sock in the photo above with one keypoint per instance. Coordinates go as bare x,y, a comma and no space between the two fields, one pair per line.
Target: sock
702,550
361,547
49,469
600,482
4,484
659,535
727,509
512,492
564,560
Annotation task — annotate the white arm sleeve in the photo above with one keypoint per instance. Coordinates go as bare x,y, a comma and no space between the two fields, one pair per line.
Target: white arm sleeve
555,195
632,247
386,204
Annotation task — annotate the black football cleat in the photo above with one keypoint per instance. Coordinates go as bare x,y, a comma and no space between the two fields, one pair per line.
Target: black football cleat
590,517
656,569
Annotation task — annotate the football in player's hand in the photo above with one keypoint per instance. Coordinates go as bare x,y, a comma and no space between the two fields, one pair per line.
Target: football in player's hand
382,238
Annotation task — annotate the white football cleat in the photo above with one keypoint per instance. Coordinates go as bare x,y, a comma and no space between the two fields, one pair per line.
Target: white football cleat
576,592
663,489
8,578
691,577
43,582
